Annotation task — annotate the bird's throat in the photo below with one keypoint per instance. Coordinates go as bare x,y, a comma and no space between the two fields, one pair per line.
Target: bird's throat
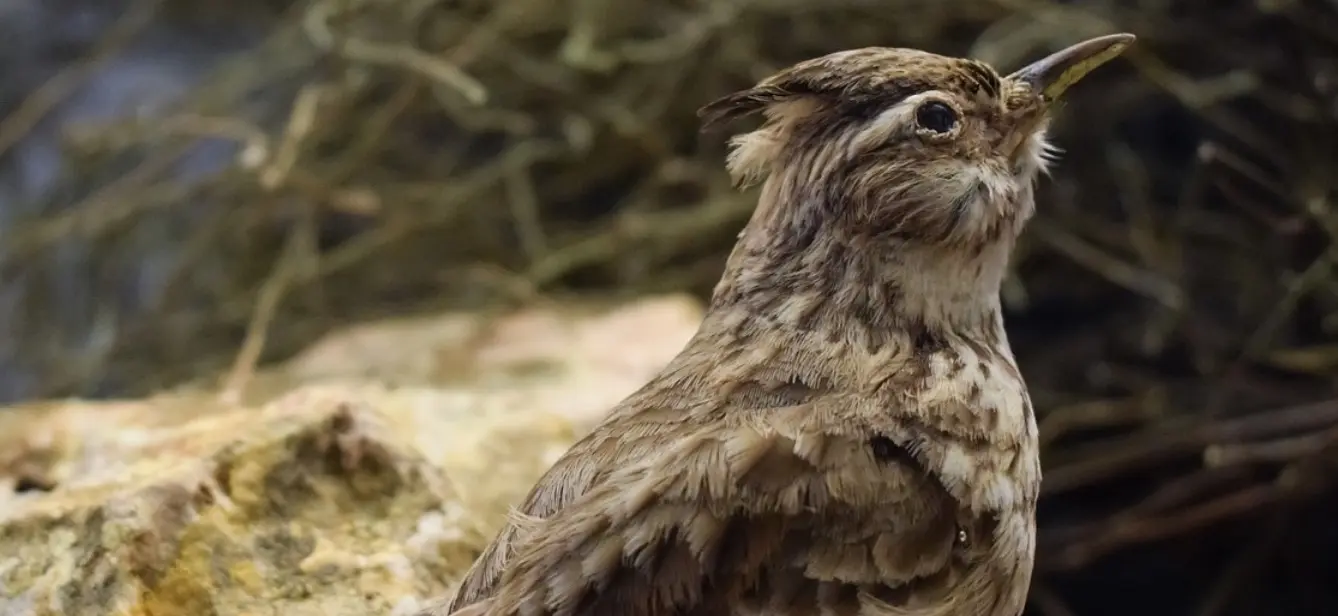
853,288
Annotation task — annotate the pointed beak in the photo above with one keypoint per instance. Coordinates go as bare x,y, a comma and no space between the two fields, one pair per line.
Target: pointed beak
1052,75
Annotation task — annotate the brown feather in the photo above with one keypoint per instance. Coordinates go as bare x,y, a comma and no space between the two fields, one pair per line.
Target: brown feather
848,432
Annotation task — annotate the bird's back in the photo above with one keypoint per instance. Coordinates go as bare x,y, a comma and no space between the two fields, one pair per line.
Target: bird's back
841,520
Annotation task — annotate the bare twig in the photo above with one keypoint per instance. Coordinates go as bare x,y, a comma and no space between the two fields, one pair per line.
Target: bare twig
296,251
40,102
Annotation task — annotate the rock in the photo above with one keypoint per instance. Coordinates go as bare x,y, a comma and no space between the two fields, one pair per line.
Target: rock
331,489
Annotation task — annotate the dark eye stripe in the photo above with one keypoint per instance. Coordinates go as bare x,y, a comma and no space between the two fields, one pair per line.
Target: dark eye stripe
867,104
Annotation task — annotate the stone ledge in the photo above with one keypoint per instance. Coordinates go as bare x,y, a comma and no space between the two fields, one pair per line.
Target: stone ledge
341,495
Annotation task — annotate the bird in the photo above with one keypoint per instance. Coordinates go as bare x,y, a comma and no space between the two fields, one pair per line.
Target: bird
847,431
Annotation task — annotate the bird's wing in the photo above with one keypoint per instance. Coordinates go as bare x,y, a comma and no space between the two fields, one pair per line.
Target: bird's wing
801,503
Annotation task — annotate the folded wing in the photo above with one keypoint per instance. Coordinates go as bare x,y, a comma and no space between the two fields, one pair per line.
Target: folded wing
773,507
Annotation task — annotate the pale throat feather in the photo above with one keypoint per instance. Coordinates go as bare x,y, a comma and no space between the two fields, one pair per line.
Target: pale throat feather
938,287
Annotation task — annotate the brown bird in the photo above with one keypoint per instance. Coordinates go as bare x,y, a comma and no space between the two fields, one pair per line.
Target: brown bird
847,432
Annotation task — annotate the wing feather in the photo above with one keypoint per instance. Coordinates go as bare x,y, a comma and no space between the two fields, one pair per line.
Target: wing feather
724,515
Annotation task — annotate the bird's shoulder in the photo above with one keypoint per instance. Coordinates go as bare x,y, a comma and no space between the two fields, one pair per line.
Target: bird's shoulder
851,483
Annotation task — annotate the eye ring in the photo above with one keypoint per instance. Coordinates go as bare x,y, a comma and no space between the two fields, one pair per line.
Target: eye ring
936,116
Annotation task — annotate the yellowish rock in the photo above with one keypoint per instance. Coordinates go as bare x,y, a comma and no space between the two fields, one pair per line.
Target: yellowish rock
362,477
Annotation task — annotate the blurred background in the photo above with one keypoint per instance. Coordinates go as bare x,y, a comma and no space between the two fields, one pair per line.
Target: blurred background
180,177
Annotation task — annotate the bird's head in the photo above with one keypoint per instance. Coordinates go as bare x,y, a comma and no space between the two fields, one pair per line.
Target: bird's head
901,145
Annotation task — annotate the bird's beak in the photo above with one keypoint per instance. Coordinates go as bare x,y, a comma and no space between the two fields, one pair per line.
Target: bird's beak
1052,75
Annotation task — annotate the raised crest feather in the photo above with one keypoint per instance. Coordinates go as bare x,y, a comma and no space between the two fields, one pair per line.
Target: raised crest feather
715,115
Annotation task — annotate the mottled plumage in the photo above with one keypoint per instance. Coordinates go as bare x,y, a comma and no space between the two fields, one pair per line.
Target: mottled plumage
847,433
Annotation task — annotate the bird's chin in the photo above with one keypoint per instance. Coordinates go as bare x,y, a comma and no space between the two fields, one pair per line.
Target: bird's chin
1033,156
967,203
985,201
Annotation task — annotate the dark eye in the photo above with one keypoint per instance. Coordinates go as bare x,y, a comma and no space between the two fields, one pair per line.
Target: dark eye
936,116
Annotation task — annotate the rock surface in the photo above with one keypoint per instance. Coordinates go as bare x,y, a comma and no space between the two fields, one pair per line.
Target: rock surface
362,477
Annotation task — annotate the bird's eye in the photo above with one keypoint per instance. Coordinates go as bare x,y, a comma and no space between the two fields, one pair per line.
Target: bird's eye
936,116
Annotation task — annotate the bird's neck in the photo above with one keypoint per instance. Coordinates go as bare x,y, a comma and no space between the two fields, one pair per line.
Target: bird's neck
858,288
799,313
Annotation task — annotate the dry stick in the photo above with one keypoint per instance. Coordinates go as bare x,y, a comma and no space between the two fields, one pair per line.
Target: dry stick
118,201
1273,451
453,199
195,247
1116,456
271,294
301,120
1184,490
1120,533
1198,95
1062,421
1159,516
372,133
1088,542
687,38
1181,492
38,104
523,202
112,203
271,176
1229,186
124,134
1188,202
1157,250
613,113
1201,98
316,24
659,226
1251,172
325,187
1245,566
1318,272
581,49
1110,267
482,35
